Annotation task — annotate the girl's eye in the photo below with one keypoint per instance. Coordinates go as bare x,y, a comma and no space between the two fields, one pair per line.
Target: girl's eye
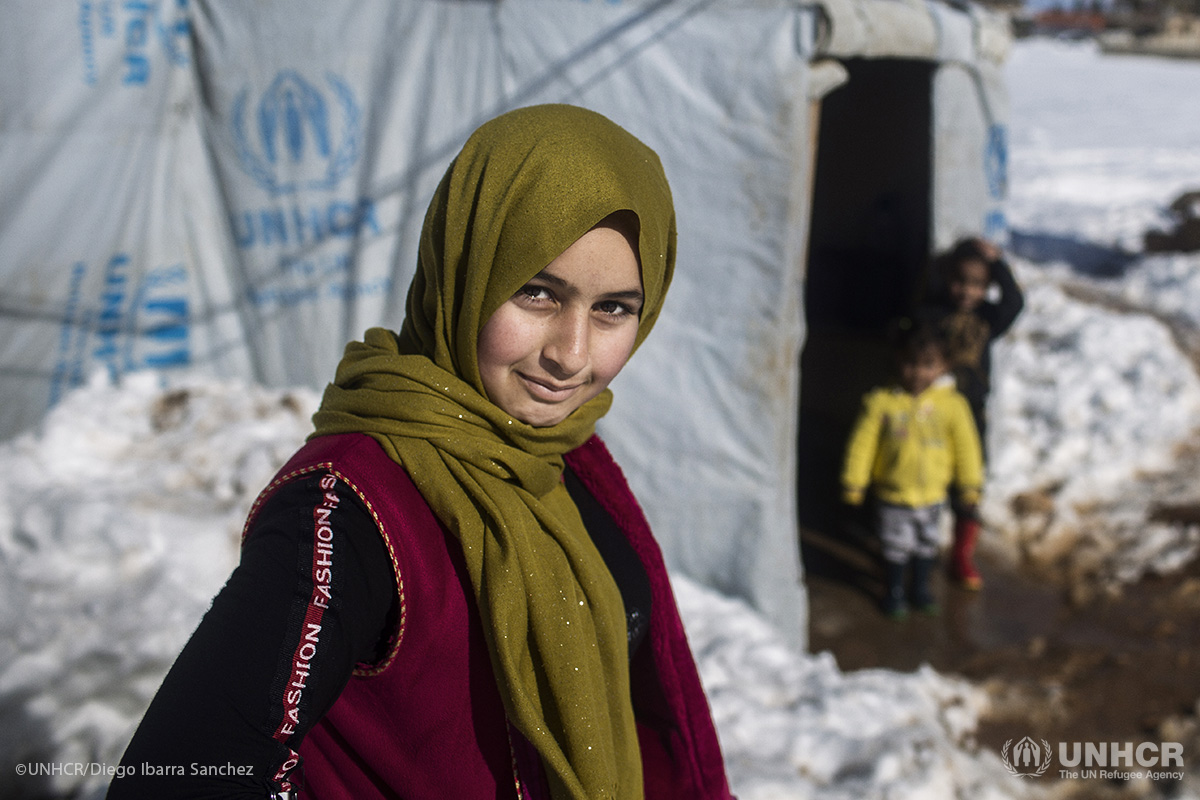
614,308
531,292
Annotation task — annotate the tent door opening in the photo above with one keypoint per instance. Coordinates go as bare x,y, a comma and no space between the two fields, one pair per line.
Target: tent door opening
868,249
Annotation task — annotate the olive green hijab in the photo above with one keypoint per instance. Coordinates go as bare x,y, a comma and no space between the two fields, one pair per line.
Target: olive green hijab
525,187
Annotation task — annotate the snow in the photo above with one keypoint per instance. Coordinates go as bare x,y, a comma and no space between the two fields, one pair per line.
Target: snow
1095,395
1098,151
119,521
120,517
797,727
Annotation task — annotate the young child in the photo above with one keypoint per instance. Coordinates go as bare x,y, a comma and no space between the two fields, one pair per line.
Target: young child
911,443
970,321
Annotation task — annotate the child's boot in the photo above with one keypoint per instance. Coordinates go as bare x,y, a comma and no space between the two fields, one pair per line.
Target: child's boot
895,604
922,593
962,568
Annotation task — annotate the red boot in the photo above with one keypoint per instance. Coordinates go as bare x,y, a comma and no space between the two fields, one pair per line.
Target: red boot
962,569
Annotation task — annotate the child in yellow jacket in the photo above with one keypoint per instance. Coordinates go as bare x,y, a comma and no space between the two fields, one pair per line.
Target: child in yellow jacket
911,443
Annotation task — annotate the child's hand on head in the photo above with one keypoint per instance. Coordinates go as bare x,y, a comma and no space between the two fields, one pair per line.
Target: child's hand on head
987,250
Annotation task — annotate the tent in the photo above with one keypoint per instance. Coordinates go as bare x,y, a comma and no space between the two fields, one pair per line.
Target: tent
236,189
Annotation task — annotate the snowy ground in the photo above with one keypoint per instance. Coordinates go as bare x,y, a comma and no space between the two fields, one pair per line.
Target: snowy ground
120,518
1095,404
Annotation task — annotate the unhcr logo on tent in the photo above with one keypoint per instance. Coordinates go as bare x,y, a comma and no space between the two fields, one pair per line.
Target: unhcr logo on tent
135,318
298,136
995,170
995,161
132,27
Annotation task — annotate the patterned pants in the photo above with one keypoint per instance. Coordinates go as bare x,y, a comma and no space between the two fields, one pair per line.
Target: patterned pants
909,532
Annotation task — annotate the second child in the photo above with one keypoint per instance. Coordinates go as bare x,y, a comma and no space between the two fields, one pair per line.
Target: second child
971,320
912,442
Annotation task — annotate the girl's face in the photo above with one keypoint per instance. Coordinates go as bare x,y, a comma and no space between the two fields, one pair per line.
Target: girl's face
969,284
560,340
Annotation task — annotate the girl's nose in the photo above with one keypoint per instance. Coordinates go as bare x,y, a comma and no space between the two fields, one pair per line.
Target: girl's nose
567,344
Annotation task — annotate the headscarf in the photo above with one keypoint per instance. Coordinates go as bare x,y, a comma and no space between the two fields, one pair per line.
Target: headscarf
524,188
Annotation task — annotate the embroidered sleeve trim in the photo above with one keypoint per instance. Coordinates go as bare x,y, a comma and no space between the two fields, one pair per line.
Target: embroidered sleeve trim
393,645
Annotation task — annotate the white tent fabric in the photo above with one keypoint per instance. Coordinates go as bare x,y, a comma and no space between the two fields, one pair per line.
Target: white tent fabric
107,208
970,102
237,188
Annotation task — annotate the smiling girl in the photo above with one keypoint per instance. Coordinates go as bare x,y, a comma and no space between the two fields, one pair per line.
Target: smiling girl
450,591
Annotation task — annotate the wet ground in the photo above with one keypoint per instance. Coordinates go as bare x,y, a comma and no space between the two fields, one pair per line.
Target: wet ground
1121,668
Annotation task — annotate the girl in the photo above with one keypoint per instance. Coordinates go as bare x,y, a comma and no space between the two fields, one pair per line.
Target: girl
450,591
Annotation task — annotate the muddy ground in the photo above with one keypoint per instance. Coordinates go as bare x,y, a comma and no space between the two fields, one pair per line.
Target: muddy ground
1124,669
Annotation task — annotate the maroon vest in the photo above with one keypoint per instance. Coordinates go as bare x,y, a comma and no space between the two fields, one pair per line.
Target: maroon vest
427,721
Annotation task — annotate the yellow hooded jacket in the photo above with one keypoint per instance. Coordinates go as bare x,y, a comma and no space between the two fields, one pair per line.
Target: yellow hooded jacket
910,449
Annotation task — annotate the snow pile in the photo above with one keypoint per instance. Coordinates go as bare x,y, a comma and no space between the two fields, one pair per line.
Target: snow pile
120,520
797,727
118,524
1095,404
1090,394
1087,404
